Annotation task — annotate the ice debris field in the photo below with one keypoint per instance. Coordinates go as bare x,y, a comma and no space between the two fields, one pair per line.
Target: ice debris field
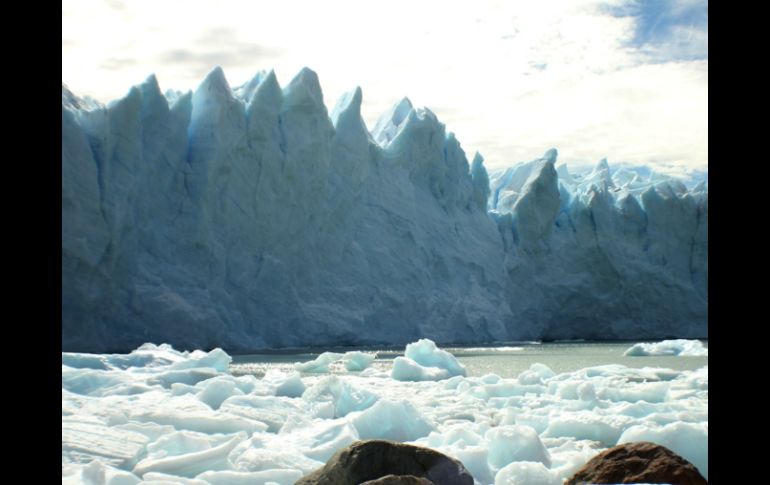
160,416
251,218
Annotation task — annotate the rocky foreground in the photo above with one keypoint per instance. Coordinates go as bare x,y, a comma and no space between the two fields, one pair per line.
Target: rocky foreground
381,462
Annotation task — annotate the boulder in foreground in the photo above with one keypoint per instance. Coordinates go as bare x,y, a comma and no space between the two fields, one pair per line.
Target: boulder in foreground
370,460
640,462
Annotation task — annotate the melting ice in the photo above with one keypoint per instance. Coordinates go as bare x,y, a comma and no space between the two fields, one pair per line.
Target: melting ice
160,416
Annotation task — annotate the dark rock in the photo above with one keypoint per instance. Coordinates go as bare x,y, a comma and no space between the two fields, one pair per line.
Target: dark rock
399,480
640,462
369,460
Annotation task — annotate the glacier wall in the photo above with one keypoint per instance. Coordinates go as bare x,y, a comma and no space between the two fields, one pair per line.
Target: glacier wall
249,218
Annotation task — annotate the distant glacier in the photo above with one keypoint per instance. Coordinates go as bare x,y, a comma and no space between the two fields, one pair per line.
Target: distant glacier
248,218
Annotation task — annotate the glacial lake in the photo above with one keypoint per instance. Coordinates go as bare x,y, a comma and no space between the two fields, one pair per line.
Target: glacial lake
505,360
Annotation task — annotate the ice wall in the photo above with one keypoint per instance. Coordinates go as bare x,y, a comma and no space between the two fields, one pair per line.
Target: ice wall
248,218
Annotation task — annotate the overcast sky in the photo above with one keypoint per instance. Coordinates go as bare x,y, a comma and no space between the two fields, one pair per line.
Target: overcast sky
626,80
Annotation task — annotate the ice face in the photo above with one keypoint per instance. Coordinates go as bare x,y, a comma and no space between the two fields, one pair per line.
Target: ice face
121,424
251,218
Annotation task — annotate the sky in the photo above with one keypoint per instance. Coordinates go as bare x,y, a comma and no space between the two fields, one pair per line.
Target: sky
621,79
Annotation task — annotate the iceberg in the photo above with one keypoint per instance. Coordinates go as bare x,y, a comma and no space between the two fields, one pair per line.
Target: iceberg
248,218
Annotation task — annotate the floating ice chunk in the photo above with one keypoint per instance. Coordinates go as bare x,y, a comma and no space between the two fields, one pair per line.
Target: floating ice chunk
680,347
216,359
247,384
699,379
85,439
320,364
587,425
465,444
373,372
586,391
325,439
526,473
389,420
405,369
179,389
146,356
638,409
690,440
271,410
423,361
515,443
357,361
188,376
151,430
505,388
149,357
188,413
536,374
643,391
490,378
97,473
191,464
461,433
425,353
254,455
89,382
84,361
474,458
278,476
570,456
344,397
292,386
214,391
182,443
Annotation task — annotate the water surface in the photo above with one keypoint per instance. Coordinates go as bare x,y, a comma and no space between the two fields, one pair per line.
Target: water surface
507,360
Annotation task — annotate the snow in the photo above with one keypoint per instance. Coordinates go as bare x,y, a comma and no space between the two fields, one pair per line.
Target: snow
252,218
122,426
668,347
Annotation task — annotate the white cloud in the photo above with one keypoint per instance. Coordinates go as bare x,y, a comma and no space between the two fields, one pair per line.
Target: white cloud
511,79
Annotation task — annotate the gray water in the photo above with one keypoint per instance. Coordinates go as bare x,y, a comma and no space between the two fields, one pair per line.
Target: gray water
504,360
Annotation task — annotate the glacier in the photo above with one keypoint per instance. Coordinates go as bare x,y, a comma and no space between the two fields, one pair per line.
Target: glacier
251,217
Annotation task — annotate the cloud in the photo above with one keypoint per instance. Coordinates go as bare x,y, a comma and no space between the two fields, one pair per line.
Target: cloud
667,30
116,4
199,61
617,78
115,63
